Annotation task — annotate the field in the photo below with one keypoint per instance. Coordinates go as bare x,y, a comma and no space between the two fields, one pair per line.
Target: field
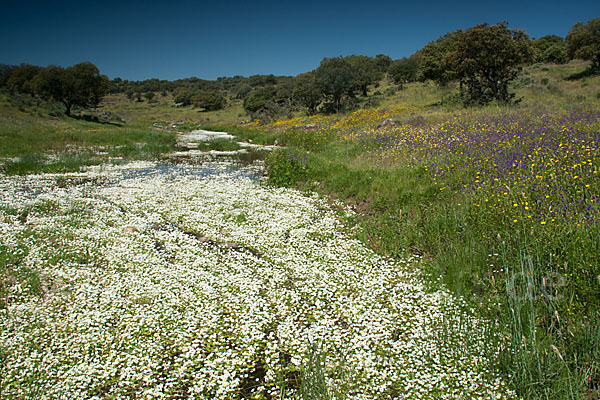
436,252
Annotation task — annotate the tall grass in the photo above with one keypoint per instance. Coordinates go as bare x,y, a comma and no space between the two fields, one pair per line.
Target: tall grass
534,275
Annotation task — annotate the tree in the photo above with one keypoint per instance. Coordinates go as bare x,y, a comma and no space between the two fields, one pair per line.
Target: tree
149,96
549,49
432,60
184,97
556,54
307,93
335,78
404,70
259,99
21,78
5,72
583,42
79,85
241,91
209,100
365,72
383,62
487,58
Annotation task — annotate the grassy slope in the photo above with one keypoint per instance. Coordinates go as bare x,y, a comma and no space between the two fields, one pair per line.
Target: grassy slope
538,280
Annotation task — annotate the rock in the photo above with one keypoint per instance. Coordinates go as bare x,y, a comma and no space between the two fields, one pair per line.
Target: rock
229,245
388,123
130,230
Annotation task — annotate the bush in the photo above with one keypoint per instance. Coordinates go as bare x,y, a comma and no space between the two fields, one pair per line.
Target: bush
184,97
210,101
286,168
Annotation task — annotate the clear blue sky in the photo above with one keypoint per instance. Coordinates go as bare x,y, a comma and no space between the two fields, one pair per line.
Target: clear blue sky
139,40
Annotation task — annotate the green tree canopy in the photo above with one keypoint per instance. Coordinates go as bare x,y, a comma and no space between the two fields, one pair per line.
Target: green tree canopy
383,62
365,72
306,93
184,97
486,59
583,42
21,78
549,49
404,70
432,59
209,100
5,72
79,85
335,78
259,98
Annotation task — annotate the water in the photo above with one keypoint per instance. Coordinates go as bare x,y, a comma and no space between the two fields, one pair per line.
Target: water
229,166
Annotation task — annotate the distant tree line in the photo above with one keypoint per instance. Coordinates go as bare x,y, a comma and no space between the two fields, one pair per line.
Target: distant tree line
80,85
483,60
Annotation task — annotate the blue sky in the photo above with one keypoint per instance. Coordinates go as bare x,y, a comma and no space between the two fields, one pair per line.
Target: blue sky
139,40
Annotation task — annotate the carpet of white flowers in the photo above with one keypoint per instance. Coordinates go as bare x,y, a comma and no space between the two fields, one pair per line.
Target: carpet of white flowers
122,284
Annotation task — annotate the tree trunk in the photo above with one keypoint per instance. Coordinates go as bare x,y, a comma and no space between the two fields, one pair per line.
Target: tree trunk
68,108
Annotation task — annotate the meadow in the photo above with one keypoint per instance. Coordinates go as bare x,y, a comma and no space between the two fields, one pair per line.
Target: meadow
476,227
115,292
502,203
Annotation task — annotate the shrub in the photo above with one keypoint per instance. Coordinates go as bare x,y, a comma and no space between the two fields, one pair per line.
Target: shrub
210,101
286,168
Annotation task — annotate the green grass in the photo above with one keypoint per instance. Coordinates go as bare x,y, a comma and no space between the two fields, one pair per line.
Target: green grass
42,143
219,145
540,284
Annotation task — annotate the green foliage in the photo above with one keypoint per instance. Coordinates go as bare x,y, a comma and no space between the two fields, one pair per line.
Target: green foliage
313,385
80,85
184,97
432,59
220,145
404,70
307,93
149,96
209,100
5,72
549,49
486,59
554,54
335,78
36,163
286,168
366,72
259,98
583,42
21,78
383,62
241,91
